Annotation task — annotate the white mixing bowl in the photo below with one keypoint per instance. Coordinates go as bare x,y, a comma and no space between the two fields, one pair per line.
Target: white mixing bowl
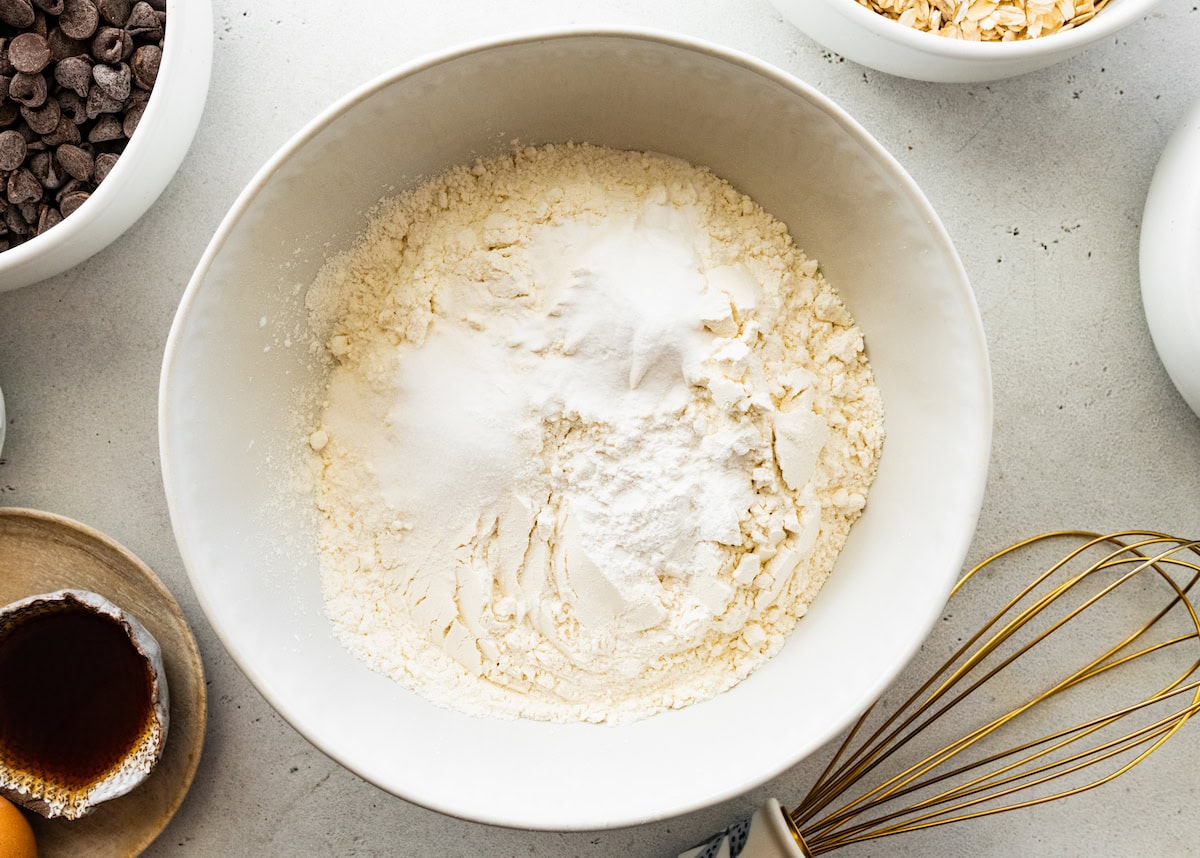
230,385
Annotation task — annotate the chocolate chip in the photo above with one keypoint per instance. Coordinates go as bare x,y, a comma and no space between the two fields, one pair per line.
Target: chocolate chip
48,217
73,107
116,12
12,150
70,186
77,162
66,132
44,118
137,97
47,170
63,46
145,63
23,187
133,117
50,7
79,18
111,45
114,80
75,73
29,53
15,221
72,201
39,24
143,23
28,89
106,129
104,165
98,102
17,13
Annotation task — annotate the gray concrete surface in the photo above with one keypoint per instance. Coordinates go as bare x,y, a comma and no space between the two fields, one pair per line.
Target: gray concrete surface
1040,181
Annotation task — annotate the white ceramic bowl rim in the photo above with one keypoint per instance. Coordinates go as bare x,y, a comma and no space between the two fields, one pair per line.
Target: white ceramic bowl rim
1170,258
956,544
114,184
1116,15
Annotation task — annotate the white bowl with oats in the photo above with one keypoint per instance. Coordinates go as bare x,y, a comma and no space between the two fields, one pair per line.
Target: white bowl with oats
961,41
511,469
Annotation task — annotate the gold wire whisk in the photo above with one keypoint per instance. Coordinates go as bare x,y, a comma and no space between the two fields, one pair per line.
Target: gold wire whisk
946,785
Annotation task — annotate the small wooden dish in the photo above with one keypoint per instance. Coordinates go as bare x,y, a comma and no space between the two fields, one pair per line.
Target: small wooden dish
41,552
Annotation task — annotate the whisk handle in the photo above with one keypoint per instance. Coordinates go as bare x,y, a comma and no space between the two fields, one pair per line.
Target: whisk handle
767,834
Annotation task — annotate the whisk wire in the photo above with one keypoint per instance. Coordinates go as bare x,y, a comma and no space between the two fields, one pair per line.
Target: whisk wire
1160,733
1036,762
997,640
888,790
823,789
991,781
907,782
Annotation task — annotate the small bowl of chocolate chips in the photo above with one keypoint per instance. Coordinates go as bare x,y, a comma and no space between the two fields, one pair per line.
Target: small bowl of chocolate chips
99,102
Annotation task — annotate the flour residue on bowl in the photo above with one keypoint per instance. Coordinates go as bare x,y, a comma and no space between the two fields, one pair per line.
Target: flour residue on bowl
594,433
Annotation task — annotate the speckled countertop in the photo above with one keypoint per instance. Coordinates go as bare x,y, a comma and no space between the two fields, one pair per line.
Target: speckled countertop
1040,181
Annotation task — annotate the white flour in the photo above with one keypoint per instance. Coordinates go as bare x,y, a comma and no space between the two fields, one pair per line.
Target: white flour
594,435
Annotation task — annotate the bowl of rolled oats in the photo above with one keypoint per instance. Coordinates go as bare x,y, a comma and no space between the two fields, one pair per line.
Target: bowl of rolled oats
99,101
960,41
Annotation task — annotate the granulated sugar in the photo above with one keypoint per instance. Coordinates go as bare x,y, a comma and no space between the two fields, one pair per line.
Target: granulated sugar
594,435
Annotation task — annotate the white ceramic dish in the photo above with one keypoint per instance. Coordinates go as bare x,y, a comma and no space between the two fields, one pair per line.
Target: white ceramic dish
145,167
1170,258
873,40
227,430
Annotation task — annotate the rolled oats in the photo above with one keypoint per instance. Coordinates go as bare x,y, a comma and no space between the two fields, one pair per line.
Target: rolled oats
988,20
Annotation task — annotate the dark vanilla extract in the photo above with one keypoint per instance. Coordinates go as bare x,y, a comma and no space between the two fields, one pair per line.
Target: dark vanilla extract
75,695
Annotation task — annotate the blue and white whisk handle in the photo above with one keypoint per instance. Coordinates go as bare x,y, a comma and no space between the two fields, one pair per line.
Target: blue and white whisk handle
767,834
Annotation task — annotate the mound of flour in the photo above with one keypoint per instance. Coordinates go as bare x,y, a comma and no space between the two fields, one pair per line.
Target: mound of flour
594,434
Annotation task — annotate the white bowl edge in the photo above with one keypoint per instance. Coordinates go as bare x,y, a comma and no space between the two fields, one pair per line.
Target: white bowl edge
1170,258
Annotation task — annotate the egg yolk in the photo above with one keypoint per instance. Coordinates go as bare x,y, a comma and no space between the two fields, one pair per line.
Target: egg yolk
16,837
